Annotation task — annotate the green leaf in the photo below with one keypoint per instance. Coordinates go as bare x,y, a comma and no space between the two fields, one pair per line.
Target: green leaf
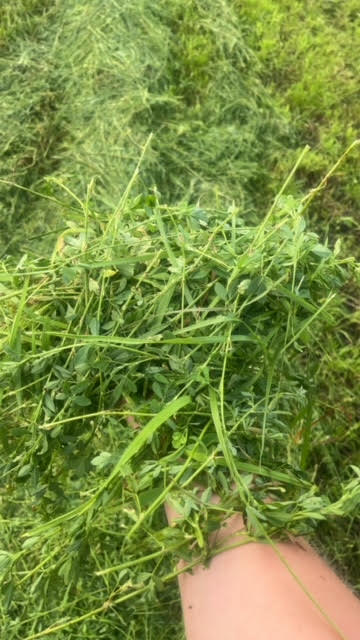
94,326
82,357
30,542
321,251
81,401
220,291
102,460
25,470
49,403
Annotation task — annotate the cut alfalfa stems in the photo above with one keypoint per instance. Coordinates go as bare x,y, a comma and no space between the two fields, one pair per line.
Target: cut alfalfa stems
209,333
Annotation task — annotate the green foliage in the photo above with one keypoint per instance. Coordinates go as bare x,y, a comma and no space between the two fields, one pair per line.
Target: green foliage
157,346
135,311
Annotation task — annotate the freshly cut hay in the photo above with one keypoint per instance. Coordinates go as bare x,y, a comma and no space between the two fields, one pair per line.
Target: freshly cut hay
158,348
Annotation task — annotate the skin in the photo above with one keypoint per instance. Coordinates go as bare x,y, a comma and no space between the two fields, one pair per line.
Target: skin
247,593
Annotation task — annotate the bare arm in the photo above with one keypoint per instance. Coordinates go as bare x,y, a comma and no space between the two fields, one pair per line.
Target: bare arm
247,593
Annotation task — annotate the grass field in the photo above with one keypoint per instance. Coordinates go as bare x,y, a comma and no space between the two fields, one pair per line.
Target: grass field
179,285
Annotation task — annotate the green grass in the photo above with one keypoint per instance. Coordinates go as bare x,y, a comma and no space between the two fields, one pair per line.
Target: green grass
309,55
155,347
161,321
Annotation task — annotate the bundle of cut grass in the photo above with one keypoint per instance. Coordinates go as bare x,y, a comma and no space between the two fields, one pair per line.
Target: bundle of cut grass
159,348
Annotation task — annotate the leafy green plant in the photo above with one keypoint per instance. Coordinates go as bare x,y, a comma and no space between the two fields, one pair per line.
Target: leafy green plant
157,348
